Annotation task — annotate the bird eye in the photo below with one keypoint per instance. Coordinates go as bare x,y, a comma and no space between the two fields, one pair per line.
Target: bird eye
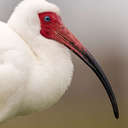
47,18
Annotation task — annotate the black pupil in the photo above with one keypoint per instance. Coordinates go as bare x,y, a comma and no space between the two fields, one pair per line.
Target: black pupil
47,18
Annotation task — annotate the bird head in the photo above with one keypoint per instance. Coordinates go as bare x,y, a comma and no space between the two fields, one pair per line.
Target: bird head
43,18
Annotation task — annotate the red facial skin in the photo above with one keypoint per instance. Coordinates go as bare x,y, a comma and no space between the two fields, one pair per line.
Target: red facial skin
54,29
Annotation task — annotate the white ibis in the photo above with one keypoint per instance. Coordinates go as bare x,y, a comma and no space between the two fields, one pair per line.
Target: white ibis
35,62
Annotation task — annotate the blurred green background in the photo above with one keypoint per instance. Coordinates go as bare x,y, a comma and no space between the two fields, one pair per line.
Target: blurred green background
103,28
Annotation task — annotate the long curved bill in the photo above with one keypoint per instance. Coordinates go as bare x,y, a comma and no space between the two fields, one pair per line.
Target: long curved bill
64,36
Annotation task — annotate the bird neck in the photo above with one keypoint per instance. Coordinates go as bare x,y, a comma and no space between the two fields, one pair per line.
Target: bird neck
30,33
40,46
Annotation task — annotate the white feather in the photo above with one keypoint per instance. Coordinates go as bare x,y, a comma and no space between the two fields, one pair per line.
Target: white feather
34,71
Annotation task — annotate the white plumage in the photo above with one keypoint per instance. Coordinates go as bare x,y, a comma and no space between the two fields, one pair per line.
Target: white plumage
35,66
31,77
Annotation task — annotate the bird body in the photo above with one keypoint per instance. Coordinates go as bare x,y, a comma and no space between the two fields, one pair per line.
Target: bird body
31,82
35,66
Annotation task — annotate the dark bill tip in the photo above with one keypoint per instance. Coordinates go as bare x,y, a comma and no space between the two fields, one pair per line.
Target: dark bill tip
91,62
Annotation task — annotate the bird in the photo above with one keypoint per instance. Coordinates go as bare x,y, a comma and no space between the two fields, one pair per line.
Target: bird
36,67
